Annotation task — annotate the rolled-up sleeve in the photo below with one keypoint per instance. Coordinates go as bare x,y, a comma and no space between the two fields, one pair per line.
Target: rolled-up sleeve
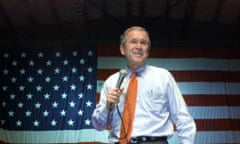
100,117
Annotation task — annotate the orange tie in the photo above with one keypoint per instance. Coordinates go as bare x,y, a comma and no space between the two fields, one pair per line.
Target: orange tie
129,110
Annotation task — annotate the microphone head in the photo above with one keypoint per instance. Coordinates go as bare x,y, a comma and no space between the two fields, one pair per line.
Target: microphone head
123,72
122,75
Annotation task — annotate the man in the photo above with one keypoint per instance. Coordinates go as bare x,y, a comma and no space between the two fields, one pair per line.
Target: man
159,101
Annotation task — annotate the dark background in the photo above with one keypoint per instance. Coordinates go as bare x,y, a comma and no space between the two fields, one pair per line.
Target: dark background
214,23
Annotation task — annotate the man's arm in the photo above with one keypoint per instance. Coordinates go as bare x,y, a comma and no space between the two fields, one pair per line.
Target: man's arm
184,122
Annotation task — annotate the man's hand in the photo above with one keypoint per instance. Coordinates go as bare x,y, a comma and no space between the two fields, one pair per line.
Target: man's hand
113,96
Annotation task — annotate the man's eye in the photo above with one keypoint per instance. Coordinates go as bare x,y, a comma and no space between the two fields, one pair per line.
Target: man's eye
134,41
143,42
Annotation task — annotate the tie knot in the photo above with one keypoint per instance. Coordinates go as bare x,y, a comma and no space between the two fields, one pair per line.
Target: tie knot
134,74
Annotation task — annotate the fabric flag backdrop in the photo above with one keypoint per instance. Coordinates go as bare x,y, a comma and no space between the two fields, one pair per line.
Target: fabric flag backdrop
209,79
47,94
47,97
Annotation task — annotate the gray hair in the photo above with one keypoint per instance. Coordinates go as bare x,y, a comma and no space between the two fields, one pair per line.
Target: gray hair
123,36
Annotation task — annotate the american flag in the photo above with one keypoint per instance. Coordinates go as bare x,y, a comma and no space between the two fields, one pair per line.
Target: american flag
47,94
209,79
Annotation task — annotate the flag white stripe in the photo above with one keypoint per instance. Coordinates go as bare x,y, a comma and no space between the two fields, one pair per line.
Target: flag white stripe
212,137
91,135
60,136
214,112
209,88
176,64
200,87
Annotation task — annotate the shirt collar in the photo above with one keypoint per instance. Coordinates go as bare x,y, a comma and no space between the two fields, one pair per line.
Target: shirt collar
139,71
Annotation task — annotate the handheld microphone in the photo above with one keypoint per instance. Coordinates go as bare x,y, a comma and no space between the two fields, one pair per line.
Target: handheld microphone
122,75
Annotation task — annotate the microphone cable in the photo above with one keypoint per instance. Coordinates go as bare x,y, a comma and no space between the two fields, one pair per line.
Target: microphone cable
123,125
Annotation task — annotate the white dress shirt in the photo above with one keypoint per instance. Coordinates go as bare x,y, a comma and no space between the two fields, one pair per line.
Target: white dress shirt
159,105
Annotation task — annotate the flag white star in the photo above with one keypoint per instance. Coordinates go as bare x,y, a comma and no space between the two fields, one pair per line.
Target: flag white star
19,123
13,79
40,71
80,112
21,88
47,79
31,63
28,113
90,53
39,88
12,96
73,87
14,63
4,104
22,71
45,113
48,63
90,69
65,62
80,95
5,72
6,55
87,122
3,122
65,78
55,104
4,88
53,123
46,96
81,78
36,123
23,55
56,70
57,54
74,70
40,55
29,96
89,103
11,113
72,104
75,53
70,122
30,79
64,95
20,105
89,86
37,105
56,88
63,113
82,61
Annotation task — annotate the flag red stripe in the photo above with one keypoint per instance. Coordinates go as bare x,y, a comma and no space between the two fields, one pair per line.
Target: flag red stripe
177,52
218,124
207,76
207,100
188,76
212,100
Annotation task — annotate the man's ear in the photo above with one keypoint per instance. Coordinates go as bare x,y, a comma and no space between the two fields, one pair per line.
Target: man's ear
122,50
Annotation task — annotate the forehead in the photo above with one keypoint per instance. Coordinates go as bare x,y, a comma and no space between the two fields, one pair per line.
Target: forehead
137,34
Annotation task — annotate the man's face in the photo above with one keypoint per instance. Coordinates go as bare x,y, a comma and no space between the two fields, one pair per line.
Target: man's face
136,48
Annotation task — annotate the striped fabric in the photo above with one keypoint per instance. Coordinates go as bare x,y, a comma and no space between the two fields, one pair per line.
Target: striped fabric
209,79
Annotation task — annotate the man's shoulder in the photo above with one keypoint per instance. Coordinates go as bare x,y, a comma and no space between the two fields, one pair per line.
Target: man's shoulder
156,69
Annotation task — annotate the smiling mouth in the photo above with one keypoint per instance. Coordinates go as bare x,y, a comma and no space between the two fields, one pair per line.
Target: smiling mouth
137,54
